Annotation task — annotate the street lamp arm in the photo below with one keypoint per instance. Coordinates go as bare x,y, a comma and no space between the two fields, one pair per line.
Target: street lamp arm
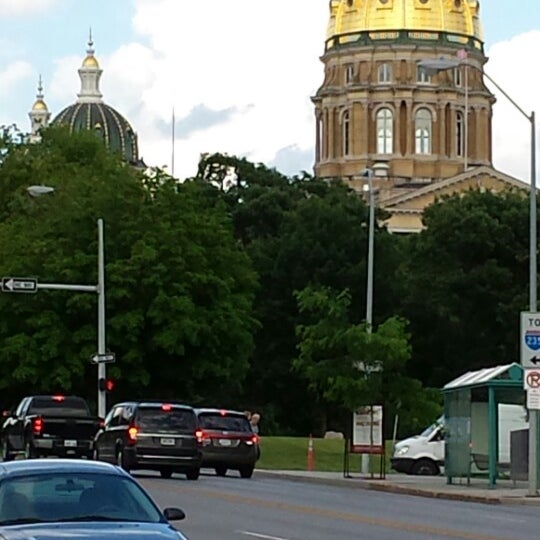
530,117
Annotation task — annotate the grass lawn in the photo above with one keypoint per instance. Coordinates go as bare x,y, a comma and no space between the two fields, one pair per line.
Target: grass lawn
290,453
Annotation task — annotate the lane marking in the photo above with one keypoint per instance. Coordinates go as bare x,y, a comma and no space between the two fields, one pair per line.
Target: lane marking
259,535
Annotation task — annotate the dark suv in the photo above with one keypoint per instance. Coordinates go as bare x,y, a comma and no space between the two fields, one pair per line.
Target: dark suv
228,441
151,435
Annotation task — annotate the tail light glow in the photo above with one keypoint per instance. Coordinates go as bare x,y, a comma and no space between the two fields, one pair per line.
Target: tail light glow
132,433
37,425
166,407
59,398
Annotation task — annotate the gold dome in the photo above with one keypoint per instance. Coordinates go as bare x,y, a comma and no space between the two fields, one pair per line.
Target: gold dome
39,105
459,17
90,62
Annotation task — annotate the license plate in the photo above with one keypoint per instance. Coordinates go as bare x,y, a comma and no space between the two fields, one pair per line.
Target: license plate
70,444
225,442
167,442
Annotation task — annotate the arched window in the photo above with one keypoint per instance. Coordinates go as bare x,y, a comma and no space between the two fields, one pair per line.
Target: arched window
346,127
385,131
460,134
385,73
422,131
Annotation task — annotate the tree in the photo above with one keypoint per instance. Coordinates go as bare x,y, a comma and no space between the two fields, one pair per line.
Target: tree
466,280
179,287
348,366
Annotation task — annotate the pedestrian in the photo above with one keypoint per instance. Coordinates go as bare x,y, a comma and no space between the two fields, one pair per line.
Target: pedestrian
254,421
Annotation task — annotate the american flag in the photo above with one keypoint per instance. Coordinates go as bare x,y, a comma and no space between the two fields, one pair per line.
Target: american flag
462,54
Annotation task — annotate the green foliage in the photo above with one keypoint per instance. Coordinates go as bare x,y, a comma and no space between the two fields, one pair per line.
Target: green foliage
466,280
179,288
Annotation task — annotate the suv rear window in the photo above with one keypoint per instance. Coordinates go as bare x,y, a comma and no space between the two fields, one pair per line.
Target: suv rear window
61,406
172,420
224,422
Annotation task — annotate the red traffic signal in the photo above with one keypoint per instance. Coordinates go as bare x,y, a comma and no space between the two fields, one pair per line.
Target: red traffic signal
106,385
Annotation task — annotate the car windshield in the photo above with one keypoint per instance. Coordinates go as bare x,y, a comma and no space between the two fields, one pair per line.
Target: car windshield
429,430
169,420
64,406
224,422
69,496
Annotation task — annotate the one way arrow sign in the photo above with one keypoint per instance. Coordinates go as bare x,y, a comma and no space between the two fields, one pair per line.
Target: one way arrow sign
535,360
23,285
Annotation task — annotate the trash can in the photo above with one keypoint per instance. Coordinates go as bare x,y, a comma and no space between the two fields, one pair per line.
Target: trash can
519,454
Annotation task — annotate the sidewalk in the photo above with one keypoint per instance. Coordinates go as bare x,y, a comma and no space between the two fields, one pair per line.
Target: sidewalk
505,492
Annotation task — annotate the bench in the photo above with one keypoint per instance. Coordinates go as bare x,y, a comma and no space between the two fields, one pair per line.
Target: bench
481,462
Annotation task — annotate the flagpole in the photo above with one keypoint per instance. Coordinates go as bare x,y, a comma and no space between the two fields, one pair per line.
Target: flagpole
173,140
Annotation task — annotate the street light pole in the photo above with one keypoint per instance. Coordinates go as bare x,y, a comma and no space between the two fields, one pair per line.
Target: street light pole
38,191
368,173
443,64
102,370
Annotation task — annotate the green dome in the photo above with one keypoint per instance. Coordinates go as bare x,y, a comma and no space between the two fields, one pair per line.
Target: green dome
107,122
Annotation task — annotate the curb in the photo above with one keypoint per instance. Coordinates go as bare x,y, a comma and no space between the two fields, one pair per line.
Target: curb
369,484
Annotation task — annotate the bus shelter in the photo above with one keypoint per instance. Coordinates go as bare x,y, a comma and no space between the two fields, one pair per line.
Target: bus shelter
481,409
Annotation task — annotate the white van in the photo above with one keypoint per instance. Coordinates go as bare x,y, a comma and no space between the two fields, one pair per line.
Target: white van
424,453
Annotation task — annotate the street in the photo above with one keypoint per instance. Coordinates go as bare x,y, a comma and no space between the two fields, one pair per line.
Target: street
278,509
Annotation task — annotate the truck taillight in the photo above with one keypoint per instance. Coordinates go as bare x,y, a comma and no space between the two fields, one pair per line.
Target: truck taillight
132,433
37,426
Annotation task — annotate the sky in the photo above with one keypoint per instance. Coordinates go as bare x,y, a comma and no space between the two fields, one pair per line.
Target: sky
239,74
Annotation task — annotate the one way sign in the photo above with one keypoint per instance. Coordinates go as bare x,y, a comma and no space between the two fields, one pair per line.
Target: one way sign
23,285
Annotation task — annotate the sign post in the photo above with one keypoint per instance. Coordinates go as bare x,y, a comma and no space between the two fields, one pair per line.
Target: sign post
530,360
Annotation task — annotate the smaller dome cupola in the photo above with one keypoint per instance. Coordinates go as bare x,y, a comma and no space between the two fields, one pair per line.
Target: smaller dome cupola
90,74
39,115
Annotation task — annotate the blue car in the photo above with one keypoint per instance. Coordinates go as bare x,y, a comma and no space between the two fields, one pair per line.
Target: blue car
45,499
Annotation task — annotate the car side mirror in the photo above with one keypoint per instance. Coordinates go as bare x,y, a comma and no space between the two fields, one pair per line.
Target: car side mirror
174,514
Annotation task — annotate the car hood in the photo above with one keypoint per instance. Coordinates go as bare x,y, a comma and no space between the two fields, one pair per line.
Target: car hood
90,531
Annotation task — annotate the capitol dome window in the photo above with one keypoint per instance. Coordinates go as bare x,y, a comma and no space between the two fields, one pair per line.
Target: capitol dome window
422,131
385,131
422,76
385,73
346,134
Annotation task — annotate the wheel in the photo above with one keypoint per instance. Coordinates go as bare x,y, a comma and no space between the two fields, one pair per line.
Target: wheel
29,451
6,454
221,470
192,474
165,472
121,460
425,467
246,471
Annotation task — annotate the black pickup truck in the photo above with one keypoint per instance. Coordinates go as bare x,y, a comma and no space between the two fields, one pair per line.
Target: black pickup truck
49,426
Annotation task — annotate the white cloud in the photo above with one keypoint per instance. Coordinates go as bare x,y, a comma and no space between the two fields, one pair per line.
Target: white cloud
512,66
15,8
12,75
256,58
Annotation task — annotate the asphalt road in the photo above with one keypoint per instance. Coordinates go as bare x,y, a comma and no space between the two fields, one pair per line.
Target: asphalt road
231,508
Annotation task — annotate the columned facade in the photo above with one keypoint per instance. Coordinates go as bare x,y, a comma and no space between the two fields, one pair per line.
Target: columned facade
379,108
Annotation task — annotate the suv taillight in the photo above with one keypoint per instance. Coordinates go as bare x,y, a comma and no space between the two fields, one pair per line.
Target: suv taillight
132,434
202,437
37,425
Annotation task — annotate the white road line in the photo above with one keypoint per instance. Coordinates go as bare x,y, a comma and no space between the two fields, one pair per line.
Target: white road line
258,535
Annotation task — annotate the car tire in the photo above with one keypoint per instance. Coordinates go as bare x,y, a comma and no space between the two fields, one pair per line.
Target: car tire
6,453
30,451
165,472
246,471
221,470
425,467
192,474
121,459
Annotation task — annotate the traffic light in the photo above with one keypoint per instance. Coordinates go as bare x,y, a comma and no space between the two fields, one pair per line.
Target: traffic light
106,385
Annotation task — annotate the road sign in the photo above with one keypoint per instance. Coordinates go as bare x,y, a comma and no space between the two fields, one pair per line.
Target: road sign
24,285
530,339
533,399
105,358
531,379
